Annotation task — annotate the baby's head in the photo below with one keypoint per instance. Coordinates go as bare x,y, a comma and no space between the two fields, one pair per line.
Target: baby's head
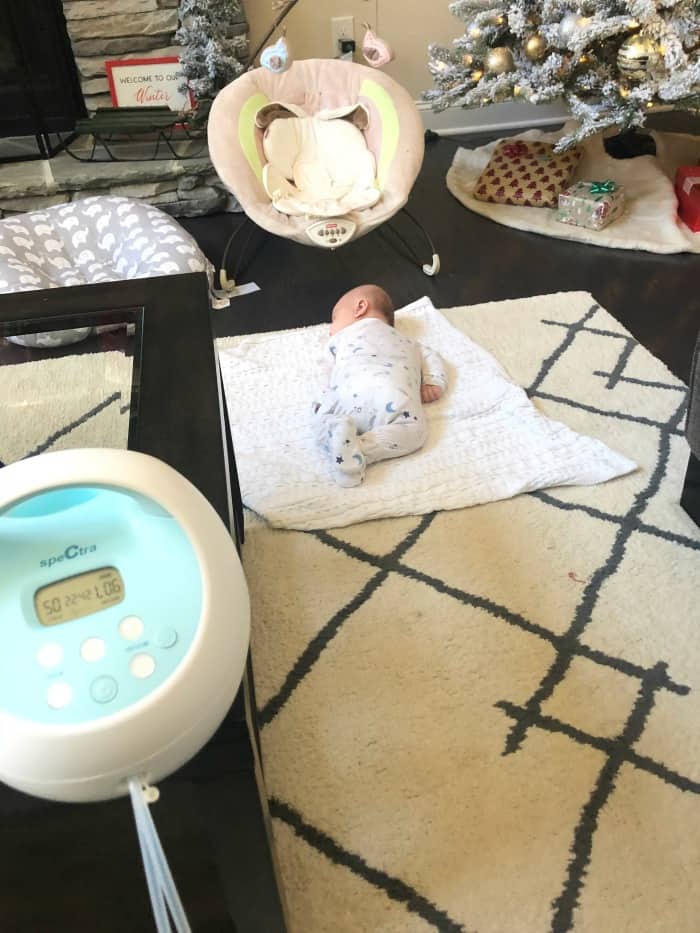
365,301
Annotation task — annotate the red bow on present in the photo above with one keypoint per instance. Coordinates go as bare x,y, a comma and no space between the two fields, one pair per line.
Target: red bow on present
513,150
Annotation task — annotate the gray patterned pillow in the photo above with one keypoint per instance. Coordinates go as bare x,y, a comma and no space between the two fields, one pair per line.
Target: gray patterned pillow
98,239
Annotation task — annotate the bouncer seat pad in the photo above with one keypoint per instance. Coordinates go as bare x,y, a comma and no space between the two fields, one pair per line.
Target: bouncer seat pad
317,165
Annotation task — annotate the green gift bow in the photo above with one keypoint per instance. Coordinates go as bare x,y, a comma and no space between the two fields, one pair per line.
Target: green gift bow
603,187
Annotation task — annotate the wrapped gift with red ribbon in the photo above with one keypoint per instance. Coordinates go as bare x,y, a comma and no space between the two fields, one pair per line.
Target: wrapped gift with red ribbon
688,194
526,173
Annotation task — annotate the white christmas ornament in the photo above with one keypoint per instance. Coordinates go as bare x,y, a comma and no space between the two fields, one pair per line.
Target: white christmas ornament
570,25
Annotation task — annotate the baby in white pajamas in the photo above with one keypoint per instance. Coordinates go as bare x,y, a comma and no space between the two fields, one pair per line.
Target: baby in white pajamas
377,381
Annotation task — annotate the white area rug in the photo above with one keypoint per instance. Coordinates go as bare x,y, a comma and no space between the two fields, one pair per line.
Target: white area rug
488,719
487,441
650,220
91,409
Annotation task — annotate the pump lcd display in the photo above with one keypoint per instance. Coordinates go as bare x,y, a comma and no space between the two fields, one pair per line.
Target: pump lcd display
74,597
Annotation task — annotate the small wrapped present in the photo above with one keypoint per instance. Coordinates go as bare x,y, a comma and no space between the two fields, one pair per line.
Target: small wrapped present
592,204
526,172
688,194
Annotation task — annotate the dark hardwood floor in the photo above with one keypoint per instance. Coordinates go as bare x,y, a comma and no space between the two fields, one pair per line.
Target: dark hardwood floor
656,297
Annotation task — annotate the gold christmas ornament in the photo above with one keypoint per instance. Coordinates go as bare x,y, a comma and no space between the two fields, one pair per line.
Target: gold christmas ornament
467,59
499,60
535,47
636,56
477,75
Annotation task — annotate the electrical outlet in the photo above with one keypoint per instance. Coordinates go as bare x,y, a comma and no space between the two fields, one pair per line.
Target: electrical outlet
342,27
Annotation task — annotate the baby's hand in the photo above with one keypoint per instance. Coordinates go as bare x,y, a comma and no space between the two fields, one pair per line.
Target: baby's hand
430,393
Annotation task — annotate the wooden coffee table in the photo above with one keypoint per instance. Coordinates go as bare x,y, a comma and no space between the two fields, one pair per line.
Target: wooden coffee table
77,867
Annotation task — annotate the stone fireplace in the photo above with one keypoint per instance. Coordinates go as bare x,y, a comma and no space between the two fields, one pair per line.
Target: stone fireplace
39,83
100,30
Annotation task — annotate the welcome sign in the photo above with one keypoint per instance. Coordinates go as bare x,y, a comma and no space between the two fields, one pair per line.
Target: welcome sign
148,82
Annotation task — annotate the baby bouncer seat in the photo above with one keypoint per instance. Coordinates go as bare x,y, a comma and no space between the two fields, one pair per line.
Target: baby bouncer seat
322,153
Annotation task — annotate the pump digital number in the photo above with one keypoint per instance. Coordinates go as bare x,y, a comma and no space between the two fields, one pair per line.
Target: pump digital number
74,597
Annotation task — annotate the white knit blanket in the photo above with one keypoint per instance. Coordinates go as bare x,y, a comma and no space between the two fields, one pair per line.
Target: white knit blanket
487,440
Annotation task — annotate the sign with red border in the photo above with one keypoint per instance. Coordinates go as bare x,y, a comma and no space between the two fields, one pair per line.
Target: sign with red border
148,82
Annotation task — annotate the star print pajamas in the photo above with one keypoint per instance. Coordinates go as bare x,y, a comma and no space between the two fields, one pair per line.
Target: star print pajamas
372,409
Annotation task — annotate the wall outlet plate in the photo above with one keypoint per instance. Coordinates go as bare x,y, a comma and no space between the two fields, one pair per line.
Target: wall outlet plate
342,27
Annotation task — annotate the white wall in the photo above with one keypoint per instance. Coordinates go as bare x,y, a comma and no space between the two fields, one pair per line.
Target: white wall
309,23
409,26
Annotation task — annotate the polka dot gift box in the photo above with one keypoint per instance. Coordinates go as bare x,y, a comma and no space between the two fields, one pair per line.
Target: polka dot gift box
528,173
591,204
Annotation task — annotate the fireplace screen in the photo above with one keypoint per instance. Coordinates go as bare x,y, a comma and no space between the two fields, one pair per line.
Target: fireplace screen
39,87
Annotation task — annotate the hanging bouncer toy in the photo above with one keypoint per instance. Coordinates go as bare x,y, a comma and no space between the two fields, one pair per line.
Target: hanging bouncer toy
278,57
375,51
125,623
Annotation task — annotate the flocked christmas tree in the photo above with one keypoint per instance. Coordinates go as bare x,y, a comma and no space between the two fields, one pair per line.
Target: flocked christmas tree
611,60
212,53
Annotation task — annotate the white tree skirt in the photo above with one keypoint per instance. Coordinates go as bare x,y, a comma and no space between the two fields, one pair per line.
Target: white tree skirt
650,220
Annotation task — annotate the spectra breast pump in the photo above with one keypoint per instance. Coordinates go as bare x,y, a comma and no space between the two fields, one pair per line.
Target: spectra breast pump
125,624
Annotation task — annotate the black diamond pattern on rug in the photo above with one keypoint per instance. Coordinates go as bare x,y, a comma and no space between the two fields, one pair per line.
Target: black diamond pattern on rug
567,643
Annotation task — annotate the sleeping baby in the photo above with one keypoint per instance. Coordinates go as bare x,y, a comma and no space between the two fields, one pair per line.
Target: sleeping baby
377,382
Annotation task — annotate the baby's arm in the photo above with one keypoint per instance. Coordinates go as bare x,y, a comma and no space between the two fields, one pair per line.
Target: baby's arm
433,375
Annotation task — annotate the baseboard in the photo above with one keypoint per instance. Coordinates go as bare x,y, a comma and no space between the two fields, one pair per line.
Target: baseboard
518,126
458,121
